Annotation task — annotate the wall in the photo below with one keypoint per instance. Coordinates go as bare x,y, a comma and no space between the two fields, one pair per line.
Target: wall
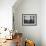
6,13
43,22
28,7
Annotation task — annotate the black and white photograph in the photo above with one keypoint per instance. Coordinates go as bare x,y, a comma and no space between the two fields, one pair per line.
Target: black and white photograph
29,19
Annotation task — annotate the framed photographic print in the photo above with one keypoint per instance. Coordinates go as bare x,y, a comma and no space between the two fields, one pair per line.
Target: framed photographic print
29,19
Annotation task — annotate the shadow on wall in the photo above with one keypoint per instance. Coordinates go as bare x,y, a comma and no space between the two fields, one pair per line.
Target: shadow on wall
17,4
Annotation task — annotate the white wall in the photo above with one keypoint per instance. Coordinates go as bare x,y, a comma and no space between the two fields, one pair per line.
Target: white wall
28,7
43,22
6,13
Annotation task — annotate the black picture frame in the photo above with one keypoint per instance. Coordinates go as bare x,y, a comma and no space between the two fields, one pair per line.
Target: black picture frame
29,19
